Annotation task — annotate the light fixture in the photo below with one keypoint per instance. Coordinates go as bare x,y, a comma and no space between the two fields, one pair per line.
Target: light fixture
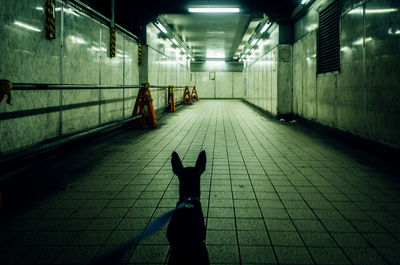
254,42
215,54
161,27
266,26
381,11
247,50
373,11
214,10
215,61
26,26
175,41
304,2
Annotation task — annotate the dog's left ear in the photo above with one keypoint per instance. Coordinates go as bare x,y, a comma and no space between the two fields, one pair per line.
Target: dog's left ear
201,162
177,166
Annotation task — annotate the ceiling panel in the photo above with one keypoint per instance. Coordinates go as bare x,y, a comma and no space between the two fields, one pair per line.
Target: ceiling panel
209,35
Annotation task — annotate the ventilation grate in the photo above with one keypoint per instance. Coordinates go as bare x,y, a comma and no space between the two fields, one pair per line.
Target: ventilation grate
329,38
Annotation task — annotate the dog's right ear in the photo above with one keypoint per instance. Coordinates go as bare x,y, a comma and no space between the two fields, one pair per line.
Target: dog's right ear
177,166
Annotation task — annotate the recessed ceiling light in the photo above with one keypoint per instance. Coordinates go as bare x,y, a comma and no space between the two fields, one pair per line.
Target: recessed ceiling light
161,27
254,42
265,27
214,10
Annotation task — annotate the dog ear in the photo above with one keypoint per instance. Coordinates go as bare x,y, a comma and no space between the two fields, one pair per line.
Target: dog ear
177,166
201,162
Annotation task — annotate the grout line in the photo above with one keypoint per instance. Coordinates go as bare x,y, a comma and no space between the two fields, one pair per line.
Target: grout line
252,186
233,198
134,248
334,207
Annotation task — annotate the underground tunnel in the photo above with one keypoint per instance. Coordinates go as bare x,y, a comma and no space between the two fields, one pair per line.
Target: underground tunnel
106,107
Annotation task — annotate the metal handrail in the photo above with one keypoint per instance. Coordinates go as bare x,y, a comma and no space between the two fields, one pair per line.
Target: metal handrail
35,86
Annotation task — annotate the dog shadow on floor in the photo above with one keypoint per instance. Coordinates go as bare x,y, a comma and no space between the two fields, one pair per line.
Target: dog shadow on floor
186,231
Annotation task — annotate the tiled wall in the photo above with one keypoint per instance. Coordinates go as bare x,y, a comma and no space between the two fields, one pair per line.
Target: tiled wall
78,55
166,66
363,97
267,75
225,84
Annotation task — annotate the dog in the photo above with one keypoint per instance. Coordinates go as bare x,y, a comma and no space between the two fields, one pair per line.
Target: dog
186,231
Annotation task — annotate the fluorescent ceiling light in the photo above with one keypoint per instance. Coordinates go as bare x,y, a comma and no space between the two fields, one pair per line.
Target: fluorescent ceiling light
247,50
214,10
304,2
381,11
265,27
215,62
26,26
161,27
254,42
219,54
174,41
359,11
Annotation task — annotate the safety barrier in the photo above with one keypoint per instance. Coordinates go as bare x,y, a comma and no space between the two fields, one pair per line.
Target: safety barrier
171,99
187,97
194,93
144,98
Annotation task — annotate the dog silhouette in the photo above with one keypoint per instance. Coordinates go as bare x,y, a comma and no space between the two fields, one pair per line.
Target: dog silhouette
186,231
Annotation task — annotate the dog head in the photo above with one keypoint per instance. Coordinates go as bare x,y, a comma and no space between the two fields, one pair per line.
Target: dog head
189,177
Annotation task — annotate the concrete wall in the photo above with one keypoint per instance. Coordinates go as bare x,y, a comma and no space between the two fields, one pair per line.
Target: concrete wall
166,66
363,97
225,85
78,55
268,78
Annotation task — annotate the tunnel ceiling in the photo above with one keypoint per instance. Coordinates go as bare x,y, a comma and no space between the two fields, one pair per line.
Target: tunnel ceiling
208,35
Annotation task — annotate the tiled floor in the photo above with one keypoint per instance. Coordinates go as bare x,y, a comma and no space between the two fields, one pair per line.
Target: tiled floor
273,193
